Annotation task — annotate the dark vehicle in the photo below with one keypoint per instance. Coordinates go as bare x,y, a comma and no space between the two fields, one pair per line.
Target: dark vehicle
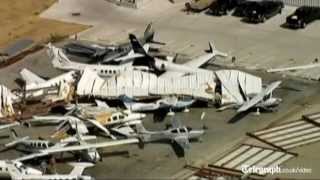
241,9
263,10
303,16
222,7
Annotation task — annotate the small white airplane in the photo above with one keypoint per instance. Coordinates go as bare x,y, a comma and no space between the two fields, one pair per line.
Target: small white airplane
59,87
103,115
166,104
85,116
33,81
90,108
110,53
28,145
177,133
61,61
87,151
263,100
18,171
6,126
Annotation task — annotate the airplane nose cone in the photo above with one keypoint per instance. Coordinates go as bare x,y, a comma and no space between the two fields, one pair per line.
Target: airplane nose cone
143,116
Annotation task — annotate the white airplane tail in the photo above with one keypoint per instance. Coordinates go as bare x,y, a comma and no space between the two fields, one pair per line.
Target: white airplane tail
148,33
127,101
16,139
213,50
140,128
78,168
59,58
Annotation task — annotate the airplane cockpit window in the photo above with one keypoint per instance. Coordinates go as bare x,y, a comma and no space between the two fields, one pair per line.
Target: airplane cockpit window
189,129
114,118
182,130
50,144
174,131
121,116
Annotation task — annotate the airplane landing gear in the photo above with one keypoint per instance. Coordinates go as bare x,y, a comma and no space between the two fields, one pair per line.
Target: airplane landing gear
257,112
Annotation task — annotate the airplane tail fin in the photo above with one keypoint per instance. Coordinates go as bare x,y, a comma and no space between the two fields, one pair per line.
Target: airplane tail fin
30,77
127,101
78,134
138,49
16,139
59,58
78,168
136,45
140,128
148,33
213,50
14,134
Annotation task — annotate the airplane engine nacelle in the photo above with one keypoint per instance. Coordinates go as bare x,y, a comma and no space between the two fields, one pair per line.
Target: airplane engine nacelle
161,66
94,156
271,102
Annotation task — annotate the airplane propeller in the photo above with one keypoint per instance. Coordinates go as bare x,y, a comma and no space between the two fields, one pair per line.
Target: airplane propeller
141,143
203,114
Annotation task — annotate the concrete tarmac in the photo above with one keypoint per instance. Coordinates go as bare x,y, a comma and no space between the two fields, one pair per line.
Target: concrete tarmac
255,46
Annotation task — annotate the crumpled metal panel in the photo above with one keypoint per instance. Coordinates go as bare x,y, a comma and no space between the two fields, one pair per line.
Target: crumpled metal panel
6,101
237,85
143,84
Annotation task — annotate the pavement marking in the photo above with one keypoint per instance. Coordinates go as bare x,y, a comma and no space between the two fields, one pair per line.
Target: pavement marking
248,155
292,134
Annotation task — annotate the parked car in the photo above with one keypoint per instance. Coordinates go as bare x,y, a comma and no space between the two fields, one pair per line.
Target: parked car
303,16
198,5
260,11
241,9
222,7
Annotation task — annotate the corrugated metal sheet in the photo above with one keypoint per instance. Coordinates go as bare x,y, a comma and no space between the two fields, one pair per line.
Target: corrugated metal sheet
6,101
139,84
235,84
143,84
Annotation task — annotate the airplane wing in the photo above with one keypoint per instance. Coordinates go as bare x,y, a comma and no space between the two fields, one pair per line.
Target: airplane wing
183,142
101,104
256,99
47,119
132,55
196,63
49,151
89,146
294,68
101,127
9,125
78,168
30,77
124,130
129,57
271,87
